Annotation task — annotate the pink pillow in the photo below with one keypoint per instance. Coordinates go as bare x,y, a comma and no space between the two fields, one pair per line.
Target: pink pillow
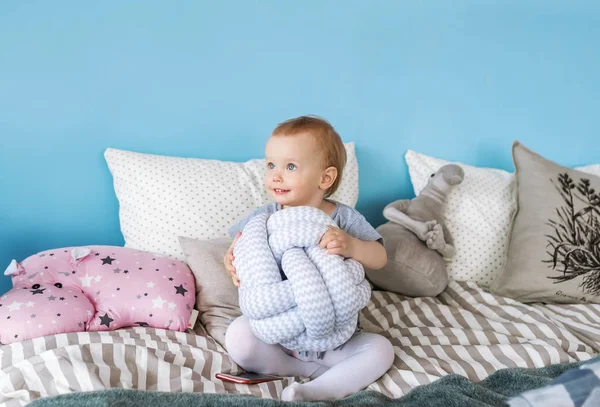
94,288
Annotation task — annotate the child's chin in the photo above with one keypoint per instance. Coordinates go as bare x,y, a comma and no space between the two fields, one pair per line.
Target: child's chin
282,200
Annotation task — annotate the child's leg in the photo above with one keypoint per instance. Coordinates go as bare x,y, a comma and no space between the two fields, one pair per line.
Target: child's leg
352,367
254,355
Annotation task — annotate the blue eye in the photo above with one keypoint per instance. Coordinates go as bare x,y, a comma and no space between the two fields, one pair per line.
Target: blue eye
291,167
271,166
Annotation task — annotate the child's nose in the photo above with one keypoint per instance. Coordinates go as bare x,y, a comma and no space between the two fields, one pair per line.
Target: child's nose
276,177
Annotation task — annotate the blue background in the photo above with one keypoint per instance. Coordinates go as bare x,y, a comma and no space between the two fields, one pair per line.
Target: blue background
459,80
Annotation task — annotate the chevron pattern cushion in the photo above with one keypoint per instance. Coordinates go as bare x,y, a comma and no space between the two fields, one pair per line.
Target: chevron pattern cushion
317,307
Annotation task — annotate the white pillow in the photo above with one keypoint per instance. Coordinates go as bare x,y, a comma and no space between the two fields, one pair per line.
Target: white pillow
478,214
161,197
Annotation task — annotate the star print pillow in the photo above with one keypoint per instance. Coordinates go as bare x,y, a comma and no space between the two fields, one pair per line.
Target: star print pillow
94,288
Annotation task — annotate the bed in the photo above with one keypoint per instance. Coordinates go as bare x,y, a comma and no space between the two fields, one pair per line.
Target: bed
471,330
465,331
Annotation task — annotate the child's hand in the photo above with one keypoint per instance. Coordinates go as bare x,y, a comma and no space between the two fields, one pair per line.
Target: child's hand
336,241
228,260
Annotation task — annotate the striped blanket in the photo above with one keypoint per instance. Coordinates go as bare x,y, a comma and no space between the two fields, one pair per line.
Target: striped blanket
465,330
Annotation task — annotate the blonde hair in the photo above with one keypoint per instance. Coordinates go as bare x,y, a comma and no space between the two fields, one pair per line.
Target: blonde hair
329,142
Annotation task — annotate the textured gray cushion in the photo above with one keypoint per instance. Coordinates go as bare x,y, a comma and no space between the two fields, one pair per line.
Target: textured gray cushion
405,272
554,253
216,296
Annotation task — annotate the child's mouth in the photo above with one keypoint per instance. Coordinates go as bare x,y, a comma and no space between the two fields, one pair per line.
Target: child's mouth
280,191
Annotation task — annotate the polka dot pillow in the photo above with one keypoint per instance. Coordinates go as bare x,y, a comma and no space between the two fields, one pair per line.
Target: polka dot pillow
478,214
162,198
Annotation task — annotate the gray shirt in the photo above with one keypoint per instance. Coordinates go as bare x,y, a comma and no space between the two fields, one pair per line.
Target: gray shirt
348,219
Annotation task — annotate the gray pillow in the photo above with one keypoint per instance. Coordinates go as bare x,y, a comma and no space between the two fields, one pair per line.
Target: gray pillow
216,296
554,252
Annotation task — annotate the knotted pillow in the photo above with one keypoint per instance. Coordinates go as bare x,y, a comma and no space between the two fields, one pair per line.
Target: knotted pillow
316,308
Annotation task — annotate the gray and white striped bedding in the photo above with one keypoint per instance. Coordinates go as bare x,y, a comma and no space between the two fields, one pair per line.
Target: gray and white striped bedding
465,330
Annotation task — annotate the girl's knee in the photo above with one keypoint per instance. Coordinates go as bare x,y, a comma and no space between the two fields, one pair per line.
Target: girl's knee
240,341
388,351
382,350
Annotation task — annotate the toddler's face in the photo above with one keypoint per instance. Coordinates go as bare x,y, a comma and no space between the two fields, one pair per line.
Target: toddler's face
294,170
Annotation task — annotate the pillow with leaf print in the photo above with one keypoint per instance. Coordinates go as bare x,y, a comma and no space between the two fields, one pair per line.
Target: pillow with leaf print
478,214
162,198
554,251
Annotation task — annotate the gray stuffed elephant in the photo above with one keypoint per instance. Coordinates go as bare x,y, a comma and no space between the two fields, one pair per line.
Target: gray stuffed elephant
417,241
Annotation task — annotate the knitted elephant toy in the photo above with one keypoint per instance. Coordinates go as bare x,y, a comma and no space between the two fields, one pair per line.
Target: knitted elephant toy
417,241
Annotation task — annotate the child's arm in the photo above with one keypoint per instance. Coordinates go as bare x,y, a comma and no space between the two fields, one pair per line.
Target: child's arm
371,254
228,261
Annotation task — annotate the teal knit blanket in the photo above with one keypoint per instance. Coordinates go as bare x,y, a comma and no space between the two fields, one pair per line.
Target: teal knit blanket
449,391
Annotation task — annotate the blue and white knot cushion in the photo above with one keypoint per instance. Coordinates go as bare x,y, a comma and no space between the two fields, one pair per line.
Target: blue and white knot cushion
317,307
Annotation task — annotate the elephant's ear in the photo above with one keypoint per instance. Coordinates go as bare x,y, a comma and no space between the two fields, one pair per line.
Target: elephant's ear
14,269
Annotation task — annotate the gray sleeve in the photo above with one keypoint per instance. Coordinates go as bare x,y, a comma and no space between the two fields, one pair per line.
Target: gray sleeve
361,229
239,225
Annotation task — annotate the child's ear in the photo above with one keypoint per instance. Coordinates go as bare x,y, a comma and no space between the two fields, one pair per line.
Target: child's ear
328,178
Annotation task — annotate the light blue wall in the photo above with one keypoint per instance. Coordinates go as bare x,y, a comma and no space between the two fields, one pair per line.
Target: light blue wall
454,79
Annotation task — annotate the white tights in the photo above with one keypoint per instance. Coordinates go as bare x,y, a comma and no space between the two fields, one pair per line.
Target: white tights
335,373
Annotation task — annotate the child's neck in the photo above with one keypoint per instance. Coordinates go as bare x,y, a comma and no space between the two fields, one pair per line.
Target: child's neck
326,206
